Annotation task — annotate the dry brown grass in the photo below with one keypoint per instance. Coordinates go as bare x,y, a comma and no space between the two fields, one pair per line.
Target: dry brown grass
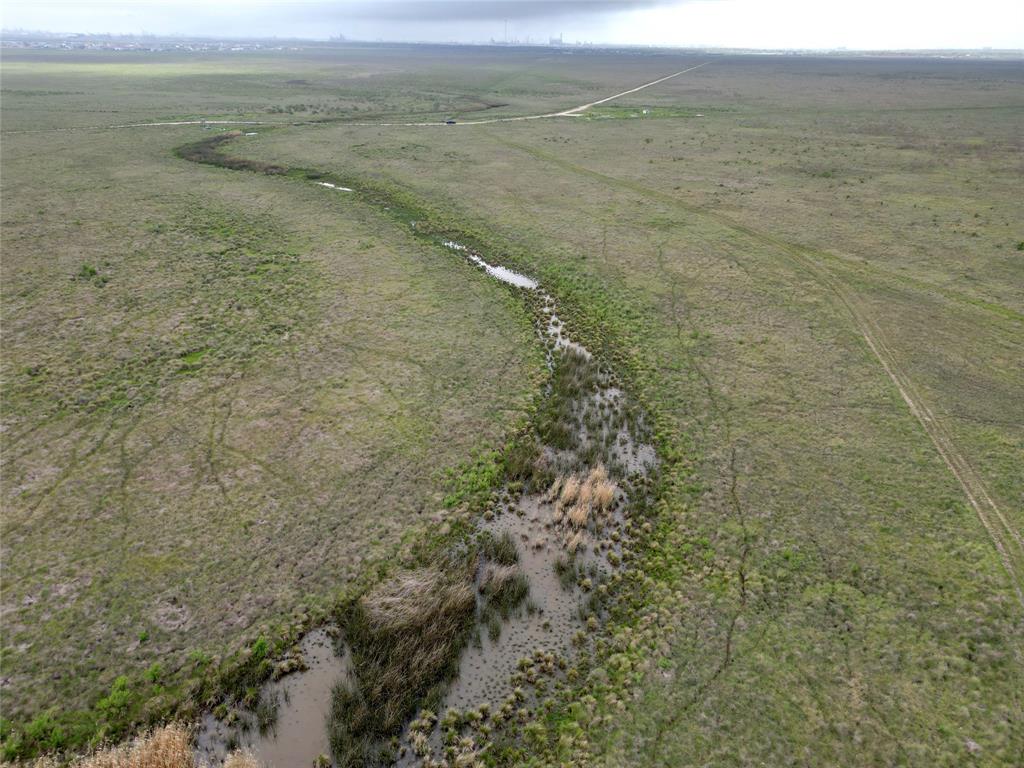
579,499
597,475
413,599
167,747
574,542
586,494
579,514
496,576
601,488
570,490
554,490
604,495
241,760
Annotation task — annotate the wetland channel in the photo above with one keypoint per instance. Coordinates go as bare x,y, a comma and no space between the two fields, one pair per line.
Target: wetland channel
566,539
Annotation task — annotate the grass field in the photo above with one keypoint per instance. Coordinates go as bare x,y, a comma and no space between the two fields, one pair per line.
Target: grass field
224,405
229,397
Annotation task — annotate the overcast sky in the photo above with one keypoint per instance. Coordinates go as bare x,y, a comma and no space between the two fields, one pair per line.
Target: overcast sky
861,24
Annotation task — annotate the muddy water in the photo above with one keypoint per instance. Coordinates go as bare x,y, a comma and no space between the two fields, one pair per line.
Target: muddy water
485,669
299,735
551,623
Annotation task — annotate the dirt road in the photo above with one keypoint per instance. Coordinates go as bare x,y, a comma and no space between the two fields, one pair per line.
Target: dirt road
572,112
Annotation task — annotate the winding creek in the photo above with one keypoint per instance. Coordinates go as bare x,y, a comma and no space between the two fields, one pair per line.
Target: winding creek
572,543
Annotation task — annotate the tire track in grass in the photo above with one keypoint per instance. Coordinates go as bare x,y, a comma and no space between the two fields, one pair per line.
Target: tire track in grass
1004,536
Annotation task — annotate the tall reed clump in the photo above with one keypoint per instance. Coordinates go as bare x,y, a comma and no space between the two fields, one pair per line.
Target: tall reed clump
166,747
405,637
570,490
503,588
580,497
602,490
500,549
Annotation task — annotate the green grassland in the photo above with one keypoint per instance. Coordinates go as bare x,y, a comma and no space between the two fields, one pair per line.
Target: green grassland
225,402
227,395
828,593
48,89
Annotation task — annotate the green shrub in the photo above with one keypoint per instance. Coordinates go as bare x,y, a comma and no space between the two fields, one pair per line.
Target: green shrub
115,705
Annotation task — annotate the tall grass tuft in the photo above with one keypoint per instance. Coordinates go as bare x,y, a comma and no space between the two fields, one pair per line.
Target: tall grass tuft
579,498
579,514
504,587
570,490
586,494
597,475
405,637
574,542
555,490
604,495
167,747
565,569
501,550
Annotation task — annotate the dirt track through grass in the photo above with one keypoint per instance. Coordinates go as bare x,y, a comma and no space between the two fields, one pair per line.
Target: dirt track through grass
571,112
1005,538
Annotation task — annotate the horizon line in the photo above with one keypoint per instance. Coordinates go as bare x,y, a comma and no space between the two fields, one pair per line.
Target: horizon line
495,43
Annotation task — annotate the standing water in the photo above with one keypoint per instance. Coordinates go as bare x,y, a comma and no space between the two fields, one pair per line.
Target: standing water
289,727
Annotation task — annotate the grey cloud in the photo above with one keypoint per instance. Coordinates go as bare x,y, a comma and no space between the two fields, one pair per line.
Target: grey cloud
478,10
428,20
